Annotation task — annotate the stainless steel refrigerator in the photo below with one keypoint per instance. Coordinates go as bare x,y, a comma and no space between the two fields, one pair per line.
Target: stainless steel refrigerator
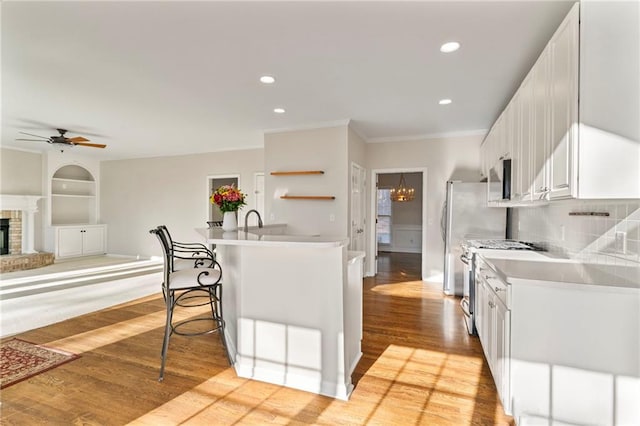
465,215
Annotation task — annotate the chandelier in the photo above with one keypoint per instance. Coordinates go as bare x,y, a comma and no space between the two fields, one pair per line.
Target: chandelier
401,192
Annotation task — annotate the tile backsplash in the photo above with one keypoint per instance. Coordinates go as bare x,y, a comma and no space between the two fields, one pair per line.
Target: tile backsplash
612,240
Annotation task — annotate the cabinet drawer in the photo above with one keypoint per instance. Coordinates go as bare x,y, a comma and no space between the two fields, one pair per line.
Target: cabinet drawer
493,282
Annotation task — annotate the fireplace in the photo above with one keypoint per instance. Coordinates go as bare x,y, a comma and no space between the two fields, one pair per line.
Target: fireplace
4,236
18,237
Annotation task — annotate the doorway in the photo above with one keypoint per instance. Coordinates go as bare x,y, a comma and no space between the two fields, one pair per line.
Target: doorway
399,227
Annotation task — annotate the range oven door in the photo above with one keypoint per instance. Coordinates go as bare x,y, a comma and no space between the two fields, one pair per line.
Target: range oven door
468,300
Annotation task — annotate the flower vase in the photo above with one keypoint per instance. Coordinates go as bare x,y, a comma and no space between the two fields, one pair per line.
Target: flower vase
229,221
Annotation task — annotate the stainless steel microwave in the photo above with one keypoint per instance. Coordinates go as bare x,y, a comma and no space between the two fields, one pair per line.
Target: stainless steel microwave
500,181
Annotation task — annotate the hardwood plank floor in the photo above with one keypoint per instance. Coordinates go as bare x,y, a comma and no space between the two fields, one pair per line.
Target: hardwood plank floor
419,366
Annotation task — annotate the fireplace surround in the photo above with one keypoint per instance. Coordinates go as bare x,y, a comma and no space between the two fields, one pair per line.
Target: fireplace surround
19,214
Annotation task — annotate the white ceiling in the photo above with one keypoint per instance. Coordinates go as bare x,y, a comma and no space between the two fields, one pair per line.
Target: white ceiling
166,78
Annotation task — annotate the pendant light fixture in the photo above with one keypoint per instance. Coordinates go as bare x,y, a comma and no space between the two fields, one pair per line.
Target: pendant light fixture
401,193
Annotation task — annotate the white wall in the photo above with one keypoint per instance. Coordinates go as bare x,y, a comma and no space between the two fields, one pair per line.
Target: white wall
313,149
445,158
21,174
139,194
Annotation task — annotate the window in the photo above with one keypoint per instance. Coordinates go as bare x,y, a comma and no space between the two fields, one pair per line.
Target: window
383,225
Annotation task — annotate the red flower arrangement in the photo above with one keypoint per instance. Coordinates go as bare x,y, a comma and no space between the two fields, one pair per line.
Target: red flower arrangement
228,198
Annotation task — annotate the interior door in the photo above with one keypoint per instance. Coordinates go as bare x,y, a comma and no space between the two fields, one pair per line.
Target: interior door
258,191
357,208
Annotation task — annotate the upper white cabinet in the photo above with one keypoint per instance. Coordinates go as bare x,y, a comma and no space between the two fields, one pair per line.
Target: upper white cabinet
563,78
572,126
540,137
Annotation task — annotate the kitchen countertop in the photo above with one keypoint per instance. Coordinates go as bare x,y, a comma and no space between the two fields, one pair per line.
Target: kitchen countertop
529,267
274,235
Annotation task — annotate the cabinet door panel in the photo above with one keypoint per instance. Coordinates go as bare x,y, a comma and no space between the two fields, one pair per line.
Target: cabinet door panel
69,242
526,135
564,106
540,145
93,241
502,332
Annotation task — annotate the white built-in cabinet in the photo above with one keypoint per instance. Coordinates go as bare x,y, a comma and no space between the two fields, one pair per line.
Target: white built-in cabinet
560,352
567,133
82,240
73,207
563,78
492,316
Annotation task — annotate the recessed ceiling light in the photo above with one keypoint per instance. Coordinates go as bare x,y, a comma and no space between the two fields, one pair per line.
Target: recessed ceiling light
449,47
278,110
444,101
267,79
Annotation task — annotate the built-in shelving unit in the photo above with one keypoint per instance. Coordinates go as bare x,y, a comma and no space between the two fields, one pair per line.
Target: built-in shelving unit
73,193
308,197
297,173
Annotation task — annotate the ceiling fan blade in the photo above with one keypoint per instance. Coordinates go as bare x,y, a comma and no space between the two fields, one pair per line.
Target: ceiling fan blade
32,140
37,136
93,145
78,139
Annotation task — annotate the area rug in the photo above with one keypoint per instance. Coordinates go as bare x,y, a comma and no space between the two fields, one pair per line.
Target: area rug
20,360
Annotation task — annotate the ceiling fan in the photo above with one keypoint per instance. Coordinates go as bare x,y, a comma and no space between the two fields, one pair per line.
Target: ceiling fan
61,139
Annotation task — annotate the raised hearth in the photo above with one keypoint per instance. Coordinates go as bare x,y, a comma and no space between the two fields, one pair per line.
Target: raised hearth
21,262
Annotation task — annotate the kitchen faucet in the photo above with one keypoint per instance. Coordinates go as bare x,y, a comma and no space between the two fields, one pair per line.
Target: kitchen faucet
246,220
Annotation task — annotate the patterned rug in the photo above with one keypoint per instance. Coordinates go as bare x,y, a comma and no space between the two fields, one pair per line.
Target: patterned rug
20,360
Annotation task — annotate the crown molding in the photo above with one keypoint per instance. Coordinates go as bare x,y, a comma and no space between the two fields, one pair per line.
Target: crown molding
465,133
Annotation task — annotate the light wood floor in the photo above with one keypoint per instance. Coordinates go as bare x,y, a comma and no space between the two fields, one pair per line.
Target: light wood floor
419,367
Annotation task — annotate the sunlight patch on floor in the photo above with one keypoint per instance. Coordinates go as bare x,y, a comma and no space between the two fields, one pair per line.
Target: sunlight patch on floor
400,290
421,395
228,399
95,338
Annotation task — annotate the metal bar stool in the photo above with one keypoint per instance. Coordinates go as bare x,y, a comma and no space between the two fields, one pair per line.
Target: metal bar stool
190,287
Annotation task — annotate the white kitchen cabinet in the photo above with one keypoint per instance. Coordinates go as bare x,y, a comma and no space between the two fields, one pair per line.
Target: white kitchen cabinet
540,142
583,138
512,132
525,158
496,150
81,240
563,77
493,325
560,352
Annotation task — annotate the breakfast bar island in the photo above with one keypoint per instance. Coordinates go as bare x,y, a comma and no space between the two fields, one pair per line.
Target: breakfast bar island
292,306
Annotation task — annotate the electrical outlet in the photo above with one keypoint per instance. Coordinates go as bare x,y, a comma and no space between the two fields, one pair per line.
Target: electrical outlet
562,233
621,242
332,217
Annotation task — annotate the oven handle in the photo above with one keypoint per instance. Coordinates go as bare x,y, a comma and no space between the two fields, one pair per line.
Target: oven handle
464,259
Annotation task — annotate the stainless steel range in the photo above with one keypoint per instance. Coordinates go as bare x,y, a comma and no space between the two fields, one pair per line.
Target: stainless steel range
469,251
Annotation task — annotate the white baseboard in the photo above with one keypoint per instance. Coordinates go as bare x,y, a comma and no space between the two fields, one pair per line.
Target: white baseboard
285,375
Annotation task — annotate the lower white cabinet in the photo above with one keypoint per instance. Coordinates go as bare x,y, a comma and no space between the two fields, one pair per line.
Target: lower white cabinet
80,240
493,323
560,352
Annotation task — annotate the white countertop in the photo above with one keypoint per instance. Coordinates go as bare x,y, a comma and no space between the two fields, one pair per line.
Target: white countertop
269,236
524,266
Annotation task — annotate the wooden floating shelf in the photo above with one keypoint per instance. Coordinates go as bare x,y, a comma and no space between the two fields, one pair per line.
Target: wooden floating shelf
300,172
308,197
